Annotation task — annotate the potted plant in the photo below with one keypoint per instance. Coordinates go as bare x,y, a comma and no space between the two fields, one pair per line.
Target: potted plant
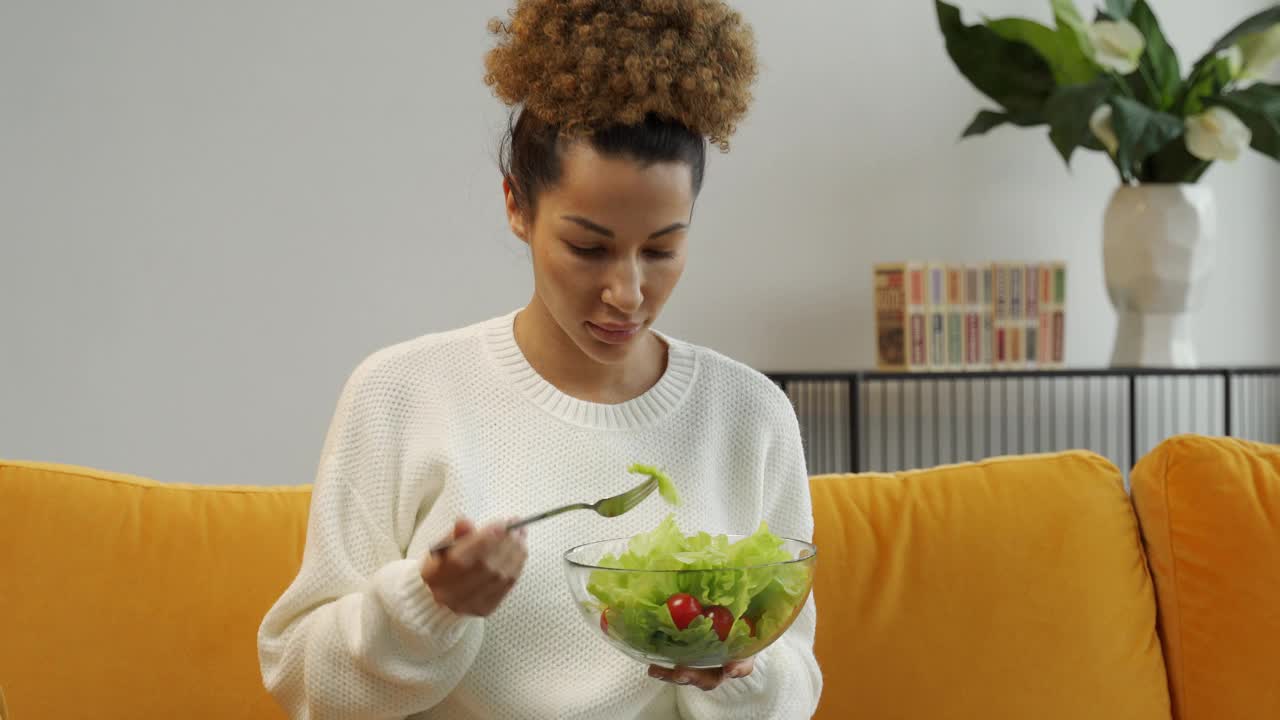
1115,86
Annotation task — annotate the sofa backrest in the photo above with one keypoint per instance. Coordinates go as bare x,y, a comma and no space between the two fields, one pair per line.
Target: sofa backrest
1015,587
1010,588
127,598
1210,513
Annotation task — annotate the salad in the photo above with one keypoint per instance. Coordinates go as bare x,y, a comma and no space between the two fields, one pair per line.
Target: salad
666,488
730,598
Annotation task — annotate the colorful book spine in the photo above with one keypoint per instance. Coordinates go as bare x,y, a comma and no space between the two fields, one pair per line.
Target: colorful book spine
917,318
1046,314
937,316
1001,312
973,355
955,317
1058,358
987,303
891,316
1017,326
1031,323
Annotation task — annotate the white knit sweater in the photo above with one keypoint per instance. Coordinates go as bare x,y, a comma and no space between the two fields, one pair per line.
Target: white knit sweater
459,423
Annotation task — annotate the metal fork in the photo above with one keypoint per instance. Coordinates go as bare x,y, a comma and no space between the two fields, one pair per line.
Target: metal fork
606,507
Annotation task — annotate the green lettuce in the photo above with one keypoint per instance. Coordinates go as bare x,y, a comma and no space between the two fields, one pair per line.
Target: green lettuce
746,577
666,488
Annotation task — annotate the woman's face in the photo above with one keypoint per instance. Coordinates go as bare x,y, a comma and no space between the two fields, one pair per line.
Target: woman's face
608,245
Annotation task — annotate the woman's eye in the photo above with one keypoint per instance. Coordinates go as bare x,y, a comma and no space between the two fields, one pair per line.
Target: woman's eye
582,251
600,251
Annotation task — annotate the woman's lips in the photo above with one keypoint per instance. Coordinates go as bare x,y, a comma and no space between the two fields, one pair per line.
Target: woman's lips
613,333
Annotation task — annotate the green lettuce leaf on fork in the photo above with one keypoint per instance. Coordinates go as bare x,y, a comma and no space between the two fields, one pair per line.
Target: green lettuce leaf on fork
666,488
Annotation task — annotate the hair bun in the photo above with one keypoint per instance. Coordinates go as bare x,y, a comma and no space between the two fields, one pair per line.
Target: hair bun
583,65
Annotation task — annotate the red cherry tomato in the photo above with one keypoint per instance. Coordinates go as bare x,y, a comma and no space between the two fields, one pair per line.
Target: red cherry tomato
721,620
751,623
684,608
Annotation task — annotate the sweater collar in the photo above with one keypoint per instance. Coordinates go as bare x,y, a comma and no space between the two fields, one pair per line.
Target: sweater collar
643,410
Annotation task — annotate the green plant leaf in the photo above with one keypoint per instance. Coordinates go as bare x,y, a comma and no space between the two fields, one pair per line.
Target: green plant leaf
1065,12
986,121
1071,25
1259,51
1257,23
1058,48
1011,73
1159,65
1068,112
1211,74
1173,164
1141,131
1208,78
1257,106
1119,9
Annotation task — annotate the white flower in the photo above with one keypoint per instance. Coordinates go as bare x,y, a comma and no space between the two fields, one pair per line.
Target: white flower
1234,58
1217,134
1259,50
1117,45
1100,124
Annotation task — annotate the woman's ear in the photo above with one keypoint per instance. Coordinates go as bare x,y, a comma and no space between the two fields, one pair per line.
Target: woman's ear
515,216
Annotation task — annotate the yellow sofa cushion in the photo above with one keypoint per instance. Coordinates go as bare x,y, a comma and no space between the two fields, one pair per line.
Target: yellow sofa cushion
127,598
1210,514
1010,588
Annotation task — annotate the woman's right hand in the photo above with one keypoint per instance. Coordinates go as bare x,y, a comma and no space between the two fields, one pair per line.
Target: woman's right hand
474,575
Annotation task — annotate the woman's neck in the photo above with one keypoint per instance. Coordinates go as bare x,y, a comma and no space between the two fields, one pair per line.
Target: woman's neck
559,360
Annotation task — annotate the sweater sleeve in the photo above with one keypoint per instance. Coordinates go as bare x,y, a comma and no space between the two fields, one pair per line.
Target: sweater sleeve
786,681
357,634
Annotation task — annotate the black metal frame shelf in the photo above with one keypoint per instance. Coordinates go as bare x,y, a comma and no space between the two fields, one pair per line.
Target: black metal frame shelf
1143,404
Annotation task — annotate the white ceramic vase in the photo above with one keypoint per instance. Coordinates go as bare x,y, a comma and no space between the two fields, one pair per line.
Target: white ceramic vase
1158,252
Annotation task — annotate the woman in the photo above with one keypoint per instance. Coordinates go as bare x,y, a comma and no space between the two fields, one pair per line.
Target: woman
550,404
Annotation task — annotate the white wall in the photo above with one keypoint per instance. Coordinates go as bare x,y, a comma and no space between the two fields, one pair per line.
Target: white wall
209,212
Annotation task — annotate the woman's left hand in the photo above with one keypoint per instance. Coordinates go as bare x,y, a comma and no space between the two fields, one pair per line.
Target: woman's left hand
704,679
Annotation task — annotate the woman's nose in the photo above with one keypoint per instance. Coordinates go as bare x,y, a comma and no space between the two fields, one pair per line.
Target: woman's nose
623,288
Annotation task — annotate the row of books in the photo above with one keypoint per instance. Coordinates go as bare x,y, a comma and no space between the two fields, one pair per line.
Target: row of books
991,316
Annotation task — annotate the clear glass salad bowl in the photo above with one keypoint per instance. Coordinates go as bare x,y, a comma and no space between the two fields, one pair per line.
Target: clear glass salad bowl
695,602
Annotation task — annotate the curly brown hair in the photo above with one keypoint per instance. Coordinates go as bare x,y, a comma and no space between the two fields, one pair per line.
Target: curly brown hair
584,65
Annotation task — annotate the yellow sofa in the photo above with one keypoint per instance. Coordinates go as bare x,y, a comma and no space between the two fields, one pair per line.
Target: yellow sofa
1020,587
